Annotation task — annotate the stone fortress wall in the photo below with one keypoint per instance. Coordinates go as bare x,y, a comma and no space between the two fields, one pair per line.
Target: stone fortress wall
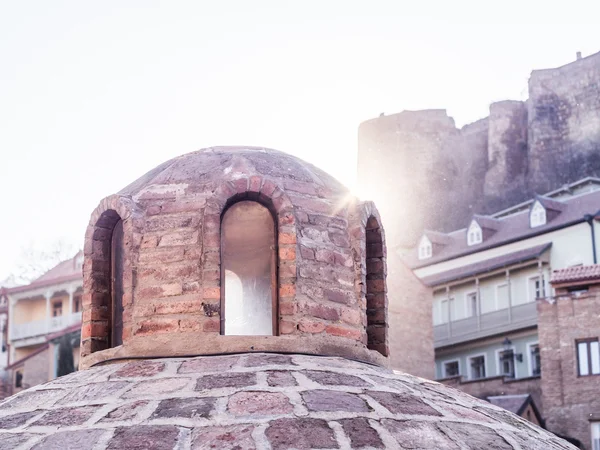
430,174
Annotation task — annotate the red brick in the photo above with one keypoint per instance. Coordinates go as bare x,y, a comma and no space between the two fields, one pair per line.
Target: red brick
311,326
157,325
211,326
213,293
287,253
255,183
338,330
286,327
288,308
287,290
287,238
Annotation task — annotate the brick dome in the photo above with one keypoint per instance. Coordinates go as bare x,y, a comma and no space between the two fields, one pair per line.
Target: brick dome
164,256
258,401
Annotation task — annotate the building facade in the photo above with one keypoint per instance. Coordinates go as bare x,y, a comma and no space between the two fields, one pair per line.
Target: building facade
39,315
569,330
488,280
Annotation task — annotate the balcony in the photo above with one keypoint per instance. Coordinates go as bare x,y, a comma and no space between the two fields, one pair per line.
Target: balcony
43,327
496,322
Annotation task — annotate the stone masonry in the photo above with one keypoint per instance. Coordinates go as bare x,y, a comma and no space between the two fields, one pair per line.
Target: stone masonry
425,173
257,401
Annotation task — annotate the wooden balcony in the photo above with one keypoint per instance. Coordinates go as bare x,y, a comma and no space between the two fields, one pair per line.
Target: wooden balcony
496,322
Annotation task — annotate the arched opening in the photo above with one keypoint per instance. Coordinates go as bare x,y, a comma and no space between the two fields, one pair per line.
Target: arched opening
248,270
116,288
376,296
107,282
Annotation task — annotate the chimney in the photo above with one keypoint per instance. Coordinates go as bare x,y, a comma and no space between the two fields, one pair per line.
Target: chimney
578,56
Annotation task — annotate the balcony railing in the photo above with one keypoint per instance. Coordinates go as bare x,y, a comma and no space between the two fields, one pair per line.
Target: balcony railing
476,327
42,327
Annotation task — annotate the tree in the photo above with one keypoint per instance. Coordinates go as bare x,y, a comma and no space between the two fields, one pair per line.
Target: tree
34,262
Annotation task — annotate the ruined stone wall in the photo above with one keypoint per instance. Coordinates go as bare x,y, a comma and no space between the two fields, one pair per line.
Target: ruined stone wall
423,172
570,401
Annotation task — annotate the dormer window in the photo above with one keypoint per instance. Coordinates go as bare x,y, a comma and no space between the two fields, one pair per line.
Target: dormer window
537,216
425,248
474,234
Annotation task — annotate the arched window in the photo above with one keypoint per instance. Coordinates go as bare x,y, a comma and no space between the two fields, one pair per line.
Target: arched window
248,270
537,216
474,234
107,264
376,307
116,289
425,248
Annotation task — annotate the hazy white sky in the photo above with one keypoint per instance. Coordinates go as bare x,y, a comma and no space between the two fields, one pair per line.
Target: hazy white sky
94,94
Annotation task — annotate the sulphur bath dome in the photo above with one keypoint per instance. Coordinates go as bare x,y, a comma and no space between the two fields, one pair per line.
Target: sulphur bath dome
236,298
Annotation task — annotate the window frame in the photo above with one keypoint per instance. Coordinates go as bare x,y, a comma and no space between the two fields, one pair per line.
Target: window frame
499,361
496,296
474,234
425,248
541,288
586,341
448,361
469,304
595,434
530,346
470,366
538,215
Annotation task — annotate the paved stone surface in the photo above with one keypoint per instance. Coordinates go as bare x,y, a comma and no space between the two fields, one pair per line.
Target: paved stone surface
67,416
157,437
259,403
307,402
320,400
139,369
300,434
125,412
184,407
361,434
235,437
225,381
70,440
16,420
9,441
280,378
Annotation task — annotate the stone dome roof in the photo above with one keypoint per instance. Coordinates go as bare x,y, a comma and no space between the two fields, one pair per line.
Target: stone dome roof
209,166
257,401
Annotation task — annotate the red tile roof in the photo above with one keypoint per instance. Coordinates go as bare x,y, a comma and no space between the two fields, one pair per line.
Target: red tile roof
576,274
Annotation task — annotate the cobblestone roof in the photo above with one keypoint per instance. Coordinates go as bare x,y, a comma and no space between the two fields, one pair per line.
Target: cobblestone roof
257,401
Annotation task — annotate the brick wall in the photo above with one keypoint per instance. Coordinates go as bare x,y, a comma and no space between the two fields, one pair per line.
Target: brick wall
570,401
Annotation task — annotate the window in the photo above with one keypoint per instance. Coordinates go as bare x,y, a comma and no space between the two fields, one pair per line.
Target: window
376,315
425,248
117,262
477,364
472,307
595,429
57,309
535,361
588,357
77,304
536,289
19,378
506,363
451,369
537,216
248,270
448,313
502,296
474,234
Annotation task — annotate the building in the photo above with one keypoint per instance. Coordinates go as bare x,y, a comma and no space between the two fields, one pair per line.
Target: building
487,280
42,314
257,319
569,329
424,172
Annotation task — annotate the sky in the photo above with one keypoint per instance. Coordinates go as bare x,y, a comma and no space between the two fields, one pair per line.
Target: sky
95,94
